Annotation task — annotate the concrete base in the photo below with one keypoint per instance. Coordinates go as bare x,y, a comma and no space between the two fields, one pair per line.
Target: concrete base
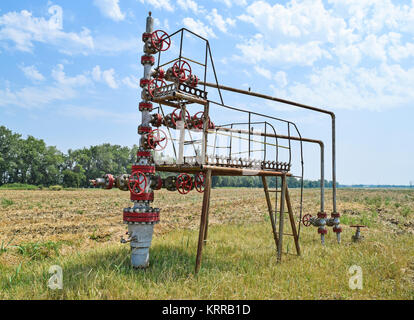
141,235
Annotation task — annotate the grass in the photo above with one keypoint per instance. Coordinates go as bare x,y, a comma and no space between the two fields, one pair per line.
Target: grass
238,262
242,269
18,186
6,202
39,250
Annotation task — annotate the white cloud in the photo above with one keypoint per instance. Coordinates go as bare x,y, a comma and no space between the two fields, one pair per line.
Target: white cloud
343,87
59,75
281,79
160,4
94,113
199,27
218,21
350,49
190,5
131,82
23,29
229,3
257,50
307,20
106,76
110,9
62,89
35,97
32,73
263,72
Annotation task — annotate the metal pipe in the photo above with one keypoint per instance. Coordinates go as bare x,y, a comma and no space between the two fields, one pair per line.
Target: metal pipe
300,105
280,136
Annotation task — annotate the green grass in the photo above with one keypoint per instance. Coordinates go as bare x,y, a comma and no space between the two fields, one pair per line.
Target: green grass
56,188
238,263
6,202
39,250
18,186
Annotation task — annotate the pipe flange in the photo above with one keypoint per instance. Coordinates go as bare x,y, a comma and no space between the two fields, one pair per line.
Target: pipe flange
145,196
145,59
322,215
144,169
146,36
141,217
143,82
145,106
144,129
322,230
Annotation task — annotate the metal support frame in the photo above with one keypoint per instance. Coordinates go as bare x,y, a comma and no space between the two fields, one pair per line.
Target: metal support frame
203,219
176,95
300,105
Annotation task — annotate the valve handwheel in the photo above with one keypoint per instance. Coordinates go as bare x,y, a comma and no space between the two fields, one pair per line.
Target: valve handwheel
199,181
198,121
182,70
160,40
157,139
155,84
184,183
137,181
306,220
179,117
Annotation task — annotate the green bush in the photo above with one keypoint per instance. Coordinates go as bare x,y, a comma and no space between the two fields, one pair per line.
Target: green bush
56,188
19,186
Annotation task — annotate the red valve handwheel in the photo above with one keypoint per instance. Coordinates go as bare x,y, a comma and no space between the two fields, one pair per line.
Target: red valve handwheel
135,181
160,40
154,84
179,117
184,183
157,139
199,181
198,121
161,73
182,70
306,220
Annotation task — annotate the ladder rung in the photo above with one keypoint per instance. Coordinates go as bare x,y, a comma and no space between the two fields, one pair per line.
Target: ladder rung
273,190
288,234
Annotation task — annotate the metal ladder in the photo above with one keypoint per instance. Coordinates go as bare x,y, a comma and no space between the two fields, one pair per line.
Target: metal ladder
273,214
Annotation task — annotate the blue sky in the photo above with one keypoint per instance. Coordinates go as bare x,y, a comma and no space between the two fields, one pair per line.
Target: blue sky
69,71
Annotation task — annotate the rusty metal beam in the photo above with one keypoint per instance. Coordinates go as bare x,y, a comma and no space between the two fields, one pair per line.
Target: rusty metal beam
296,104
203,220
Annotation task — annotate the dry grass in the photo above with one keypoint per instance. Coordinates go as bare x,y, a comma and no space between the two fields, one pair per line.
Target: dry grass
80,230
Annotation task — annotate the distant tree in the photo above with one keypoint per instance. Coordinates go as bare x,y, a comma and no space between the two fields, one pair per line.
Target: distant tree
32,161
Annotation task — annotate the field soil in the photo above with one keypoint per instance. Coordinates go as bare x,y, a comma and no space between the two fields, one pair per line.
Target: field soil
80,230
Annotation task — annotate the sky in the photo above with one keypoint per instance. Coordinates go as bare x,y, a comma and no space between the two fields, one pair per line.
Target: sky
70,70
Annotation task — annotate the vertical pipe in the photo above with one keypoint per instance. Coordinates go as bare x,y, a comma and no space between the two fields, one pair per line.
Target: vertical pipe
333,164
205,131
141,233
265,144
249,131
322,176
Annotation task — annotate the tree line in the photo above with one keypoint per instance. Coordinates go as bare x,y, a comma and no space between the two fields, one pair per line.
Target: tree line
31,161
